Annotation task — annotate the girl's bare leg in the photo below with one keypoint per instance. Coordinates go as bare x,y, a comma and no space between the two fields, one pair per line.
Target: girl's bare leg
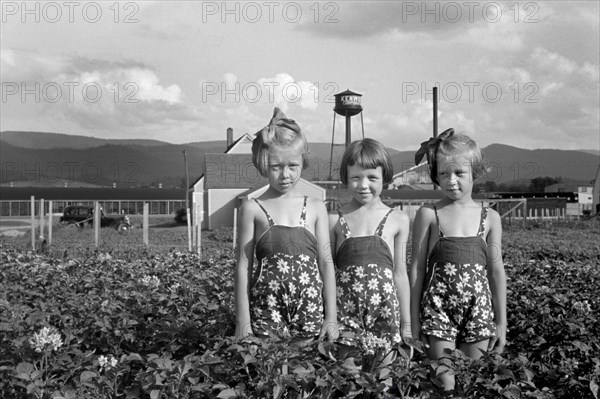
436,351
474,349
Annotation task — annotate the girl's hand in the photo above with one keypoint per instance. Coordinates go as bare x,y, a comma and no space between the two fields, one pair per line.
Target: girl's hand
243,330
498,342
406,332
330,330
416,332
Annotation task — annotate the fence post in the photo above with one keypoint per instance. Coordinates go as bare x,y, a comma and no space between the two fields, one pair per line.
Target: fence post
96,223
49,223
235,211
145,220
32,209
189,227
41,217
198,228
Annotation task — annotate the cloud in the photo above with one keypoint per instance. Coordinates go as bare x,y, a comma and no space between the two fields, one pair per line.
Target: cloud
281,90
94,94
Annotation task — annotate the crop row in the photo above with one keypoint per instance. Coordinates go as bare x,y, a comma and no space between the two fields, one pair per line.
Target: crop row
159,325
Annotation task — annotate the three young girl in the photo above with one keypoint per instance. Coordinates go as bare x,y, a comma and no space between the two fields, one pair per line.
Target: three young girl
456,294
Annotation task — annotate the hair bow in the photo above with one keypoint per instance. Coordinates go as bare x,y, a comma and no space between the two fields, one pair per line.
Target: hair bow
430,146
280,120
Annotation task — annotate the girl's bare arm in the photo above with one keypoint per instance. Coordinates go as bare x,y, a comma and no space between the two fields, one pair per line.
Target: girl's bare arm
401,282
418,264
245,258
326,270
497,279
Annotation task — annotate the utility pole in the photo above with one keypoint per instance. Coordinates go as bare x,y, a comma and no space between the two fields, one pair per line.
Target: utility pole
435,119
187,184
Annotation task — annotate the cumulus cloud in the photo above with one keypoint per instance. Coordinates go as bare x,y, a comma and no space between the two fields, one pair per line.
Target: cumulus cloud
94,95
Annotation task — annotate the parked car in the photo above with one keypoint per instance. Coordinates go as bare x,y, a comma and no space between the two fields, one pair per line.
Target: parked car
80,215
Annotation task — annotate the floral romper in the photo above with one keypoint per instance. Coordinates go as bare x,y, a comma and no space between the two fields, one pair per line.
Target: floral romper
286,294
366,294
457,301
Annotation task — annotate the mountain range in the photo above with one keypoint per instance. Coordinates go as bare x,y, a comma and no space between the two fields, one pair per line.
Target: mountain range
51,159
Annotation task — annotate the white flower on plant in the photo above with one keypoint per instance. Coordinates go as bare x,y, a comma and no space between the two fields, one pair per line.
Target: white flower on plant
103,257
151,282
107,363
174,287
582,306
47,339
370,343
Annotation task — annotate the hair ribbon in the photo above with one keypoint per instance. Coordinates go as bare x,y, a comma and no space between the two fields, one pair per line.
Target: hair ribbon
429,147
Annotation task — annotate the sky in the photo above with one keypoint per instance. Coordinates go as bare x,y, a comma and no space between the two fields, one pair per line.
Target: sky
519,73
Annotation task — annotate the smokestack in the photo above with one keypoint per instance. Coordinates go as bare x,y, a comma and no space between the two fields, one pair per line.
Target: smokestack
229,137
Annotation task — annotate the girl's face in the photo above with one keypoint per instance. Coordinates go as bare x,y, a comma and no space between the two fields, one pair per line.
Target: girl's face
365,184
285,168
455,175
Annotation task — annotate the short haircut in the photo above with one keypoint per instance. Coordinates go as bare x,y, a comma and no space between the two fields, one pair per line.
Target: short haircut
276,136
368,154
458,145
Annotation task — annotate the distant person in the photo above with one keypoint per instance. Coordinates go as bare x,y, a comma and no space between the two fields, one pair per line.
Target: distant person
457,274
291,290
369,245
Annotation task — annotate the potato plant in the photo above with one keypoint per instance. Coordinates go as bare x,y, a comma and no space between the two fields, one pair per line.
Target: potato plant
130,322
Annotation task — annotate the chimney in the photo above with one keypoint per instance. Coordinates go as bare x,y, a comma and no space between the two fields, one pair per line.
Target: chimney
229,137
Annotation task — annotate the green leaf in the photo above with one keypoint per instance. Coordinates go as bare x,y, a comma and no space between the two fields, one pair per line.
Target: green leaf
86,376
227,393
25,368
594,388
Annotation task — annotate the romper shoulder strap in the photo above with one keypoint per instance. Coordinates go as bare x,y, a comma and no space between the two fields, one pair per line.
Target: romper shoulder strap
271,223
344,224
484,212
437,219
303,214
379,229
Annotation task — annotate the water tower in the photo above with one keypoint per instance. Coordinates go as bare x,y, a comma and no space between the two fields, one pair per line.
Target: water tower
347,104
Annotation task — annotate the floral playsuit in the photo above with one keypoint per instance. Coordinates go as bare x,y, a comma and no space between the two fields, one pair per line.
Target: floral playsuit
286,295
457,301
366,293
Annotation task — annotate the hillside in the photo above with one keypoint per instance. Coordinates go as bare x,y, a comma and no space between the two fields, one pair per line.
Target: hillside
49,158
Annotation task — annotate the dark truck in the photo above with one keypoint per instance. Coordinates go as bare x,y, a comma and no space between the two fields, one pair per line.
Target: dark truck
80,215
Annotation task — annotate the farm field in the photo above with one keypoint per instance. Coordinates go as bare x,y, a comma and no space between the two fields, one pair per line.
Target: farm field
126,321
